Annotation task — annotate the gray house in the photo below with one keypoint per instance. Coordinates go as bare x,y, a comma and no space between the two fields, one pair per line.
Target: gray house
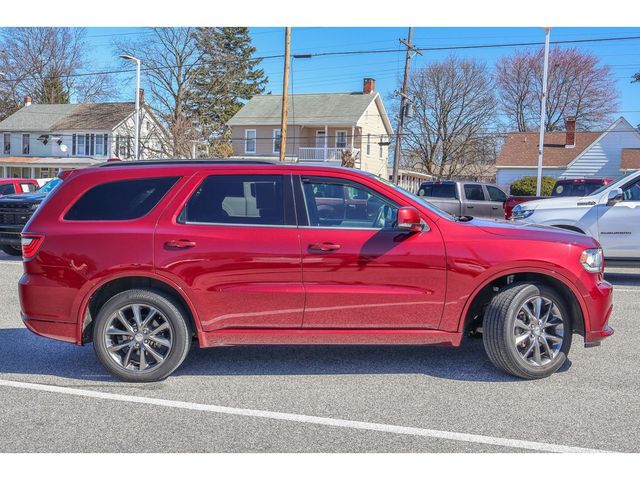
320,128
38,140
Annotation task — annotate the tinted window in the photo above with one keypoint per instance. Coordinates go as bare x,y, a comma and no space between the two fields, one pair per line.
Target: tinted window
28,187
237,199
443,190
123,200
495,194
356,206
632,193
473,192
7,189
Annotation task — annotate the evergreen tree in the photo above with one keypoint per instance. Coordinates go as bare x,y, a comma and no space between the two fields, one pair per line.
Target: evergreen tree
228,76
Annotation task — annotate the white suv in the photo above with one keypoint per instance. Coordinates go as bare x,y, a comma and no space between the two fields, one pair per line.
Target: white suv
611,215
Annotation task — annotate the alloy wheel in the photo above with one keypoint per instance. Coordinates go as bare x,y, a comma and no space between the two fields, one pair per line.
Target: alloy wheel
538,331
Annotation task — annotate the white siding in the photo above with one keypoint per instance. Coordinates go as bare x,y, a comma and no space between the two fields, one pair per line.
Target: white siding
371,124
603,158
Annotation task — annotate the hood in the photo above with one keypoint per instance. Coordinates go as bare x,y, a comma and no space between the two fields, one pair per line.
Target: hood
35,197
529,231
562,202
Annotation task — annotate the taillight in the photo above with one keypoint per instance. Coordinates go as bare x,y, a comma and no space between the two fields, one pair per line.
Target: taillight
30,245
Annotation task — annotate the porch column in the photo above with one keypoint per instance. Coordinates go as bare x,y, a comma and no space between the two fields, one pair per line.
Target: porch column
353,129
33,172
326,139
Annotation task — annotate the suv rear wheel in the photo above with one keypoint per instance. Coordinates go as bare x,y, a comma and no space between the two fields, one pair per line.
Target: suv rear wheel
527,330
141,335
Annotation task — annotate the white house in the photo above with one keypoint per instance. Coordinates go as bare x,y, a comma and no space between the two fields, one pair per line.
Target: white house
40,139
571,154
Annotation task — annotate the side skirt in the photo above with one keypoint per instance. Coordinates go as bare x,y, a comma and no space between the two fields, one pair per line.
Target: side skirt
255,336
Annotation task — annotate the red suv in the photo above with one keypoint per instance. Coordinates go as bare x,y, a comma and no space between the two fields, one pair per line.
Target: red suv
142,257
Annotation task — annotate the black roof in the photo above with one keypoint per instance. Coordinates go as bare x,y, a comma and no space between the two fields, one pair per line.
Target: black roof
169,161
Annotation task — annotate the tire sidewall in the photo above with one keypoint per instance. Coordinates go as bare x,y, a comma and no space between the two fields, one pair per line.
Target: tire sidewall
173,314
508,325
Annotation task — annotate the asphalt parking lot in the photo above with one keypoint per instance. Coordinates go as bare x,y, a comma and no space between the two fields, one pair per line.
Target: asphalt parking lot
55,397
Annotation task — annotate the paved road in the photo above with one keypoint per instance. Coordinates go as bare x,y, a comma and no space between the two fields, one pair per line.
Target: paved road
319,399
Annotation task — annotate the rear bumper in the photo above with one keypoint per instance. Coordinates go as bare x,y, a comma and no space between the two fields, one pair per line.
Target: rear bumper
56,330
600,305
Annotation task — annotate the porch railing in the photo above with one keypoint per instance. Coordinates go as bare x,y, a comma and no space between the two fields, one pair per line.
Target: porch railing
320,154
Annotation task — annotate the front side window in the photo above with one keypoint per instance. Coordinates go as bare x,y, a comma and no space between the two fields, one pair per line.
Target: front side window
7,143
121,200
334,203
495,194
473,191
26,140
237,200
7,189
249,141
341,139
277,135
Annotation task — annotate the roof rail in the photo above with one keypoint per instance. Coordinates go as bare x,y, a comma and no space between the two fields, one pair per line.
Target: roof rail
210,161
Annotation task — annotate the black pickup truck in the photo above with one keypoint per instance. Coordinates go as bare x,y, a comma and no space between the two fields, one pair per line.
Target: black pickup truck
15,212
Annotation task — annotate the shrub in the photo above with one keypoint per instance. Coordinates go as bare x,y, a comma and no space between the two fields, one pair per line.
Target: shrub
527,186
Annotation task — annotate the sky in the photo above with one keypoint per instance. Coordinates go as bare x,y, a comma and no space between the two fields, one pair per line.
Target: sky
345,73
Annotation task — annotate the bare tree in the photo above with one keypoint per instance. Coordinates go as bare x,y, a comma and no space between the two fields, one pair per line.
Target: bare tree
453,105
169,63
577,86
46,64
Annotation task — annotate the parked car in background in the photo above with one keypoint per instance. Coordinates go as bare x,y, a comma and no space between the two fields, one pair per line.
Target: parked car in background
11,186
15,212
465,198
569,187
140,258
610,214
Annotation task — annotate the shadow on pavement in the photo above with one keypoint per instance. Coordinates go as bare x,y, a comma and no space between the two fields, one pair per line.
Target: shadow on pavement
623,279
23,352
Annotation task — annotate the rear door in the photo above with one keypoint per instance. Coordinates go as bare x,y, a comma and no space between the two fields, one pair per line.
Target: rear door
619,225
475,203
232,242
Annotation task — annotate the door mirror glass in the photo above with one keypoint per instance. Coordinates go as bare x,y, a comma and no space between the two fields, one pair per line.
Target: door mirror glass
614,196
409,219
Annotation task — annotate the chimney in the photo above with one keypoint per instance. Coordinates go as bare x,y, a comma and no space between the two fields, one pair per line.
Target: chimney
570,127
369,86
27,101
141,95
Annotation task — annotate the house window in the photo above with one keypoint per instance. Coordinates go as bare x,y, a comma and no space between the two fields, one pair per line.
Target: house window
381,152
277,135
123,146
341,139
7,144
99,145
368,144
26,139
249,141
81,144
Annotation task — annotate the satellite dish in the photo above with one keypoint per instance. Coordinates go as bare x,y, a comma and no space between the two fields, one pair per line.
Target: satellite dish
63,148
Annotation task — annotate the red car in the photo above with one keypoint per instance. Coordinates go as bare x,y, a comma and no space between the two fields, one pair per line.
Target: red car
11,186
141,258
568,187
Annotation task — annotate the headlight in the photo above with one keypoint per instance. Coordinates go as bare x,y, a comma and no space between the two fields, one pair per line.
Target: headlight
520,212
592,260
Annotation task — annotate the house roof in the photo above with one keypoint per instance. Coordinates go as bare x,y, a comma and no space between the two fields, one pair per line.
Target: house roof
49,161
521,149
630,159
309,109
56,117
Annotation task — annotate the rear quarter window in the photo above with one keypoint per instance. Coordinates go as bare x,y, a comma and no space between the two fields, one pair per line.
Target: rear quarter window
120,200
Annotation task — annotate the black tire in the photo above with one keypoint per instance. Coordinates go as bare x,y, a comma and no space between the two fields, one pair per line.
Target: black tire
179,331
499,324
11,250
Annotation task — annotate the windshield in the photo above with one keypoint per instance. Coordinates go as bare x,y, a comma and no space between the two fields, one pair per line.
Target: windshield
50,185
615,184
416,198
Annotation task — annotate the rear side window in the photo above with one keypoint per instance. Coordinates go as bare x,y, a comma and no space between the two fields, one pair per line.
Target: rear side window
122,200
237,200
474,192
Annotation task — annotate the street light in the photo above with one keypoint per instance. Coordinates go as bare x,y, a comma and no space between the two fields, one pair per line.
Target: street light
137,62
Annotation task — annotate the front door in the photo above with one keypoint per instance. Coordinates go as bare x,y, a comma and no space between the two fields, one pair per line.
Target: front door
359,271
619,225
497,198
234,249
320,138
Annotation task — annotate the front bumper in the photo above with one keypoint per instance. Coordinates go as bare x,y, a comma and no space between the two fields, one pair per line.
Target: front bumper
599,303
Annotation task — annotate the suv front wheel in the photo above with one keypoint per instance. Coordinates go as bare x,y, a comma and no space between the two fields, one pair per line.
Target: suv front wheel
141,335
527,330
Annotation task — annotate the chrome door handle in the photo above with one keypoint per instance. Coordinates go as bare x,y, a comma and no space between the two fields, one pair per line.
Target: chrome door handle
324,247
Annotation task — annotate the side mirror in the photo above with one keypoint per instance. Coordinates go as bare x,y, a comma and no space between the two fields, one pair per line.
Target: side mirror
409,219
614,196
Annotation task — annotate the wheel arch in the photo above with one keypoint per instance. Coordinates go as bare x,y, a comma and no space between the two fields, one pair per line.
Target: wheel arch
474,310
572,228
103,291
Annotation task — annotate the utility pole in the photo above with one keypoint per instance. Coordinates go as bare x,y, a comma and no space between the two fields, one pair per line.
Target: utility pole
285,93
403,103
543,110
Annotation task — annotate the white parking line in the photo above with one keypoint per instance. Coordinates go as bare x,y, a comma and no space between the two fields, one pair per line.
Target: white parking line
308,419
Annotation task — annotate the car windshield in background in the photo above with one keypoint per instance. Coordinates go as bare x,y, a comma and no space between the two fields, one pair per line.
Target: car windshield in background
615,184
574,189
50,185
415,197
438,190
